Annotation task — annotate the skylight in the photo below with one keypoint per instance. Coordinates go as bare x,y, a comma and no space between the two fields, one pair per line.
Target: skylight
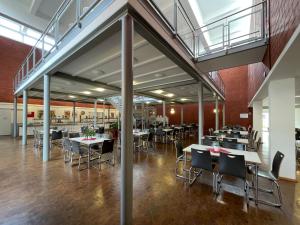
20,33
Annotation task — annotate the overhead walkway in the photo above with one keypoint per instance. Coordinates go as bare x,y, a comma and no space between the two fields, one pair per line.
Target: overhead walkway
221,44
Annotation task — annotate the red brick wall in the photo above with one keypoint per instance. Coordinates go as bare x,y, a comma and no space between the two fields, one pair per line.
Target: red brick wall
283,19
190,114
236,83
12,54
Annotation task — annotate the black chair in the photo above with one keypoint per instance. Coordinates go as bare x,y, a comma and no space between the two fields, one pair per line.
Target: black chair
56,136
257,146
160,134
150,141
211,138
234,134
232,145
209,142
272,176
235,166
201,160
74,135
100,130
78,150
106,153
230,140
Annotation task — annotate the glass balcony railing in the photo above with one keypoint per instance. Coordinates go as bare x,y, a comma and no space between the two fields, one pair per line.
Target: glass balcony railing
218,36
69,14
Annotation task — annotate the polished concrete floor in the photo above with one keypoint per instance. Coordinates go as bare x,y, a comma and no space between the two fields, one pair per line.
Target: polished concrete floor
33,192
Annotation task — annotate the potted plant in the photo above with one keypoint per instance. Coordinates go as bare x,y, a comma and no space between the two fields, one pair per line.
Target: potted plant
89,133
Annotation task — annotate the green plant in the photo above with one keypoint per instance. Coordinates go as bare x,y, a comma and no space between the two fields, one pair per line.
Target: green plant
114,125
89,133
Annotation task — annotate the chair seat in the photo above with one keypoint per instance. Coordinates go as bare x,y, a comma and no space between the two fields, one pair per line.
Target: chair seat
264,174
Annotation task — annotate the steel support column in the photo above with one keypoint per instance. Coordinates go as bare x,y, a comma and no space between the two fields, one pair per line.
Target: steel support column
127,121
217,113
24,119
181,114
74,113
46,118
164,113
15,117
223,117
200,112
95,113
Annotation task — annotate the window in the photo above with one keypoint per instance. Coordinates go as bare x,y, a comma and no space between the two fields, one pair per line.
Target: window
20,33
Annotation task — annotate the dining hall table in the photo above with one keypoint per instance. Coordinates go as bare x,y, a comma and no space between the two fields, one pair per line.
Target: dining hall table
251,158
89,142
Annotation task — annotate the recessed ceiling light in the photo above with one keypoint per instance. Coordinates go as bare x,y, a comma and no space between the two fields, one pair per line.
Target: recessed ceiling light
99,89
159,101
170,95
183,99
158,91
86,92
72,96
135,82
147,102
100,100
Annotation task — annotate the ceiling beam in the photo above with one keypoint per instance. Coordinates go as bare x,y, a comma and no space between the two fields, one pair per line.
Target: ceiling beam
35,5
154,59
111,57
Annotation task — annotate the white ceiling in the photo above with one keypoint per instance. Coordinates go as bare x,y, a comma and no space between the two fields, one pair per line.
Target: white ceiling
99,66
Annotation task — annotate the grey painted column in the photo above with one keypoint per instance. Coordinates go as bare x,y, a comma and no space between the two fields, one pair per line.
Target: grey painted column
164,113
217,113
143,119
103,114
223,114
24,119
200,112
15,117
95,113
127,121
74,113
46,118
181,114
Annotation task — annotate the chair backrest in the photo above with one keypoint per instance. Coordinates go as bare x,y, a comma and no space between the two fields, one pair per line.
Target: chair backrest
232,165
150,137
67,144
230,140
211,138
258,144
159,131
179,148
210,142
56,135
100,130
76,147
237,146
201,159
108,146
255,135
276,163
234,134
74,135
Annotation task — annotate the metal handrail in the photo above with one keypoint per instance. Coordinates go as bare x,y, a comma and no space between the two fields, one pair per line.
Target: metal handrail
53,24
225,42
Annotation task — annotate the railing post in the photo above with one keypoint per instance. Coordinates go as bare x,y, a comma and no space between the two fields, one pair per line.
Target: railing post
27,65
33,58
175,15
56,31
263,35
78,13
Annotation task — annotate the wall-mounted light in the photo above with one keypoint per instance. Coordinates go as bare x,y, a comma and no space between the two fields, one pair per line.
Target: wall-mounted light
172,111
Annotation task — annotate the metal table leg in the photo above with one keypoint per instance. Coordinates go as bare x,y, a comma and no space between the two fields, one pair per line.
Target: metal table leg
256,184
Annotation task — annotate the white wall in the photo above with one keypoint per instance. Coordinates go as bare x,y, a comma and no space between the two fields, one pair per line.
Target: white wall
282,124
6,117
